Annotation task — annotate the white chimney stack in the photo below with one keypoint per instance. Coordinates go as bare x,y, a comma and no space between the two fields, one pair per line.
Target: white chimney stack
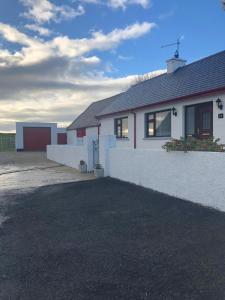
174,63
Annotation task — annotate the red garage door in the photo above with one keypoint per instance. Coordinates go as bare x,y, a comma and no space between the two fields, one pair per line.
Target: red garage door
36,138
62,138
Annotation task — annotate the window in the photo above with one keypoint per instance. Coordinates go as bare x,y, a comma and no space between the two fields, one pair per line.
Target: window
190,121
158,124
121,127
81,132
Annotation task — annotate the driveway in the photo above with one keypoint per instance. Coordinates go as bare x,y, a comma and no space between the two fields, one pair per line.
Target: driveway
23,170
105,239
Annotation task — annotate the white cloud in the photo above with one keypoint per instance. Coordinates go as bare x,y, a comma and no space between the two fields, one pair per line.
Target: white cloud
39,29
11,34
117,3
55,80
124,57
42,11
37,50
124,3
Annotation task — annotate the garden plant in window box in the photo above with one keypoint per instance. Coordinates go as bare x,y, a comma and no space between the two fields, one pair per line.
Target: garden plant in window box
98,171
83,167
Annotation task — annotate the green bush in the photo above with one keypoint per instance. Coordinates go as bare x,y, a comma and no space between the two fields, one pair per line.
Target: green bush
7,142
192,144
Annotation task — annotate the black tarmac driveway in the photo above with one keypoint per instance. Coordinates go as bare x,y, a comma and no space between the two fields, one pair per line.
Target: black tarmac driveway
106,239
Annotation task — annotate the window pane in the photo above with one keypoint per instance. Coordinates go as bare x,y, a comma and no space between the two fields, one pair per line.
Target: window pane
118,131
190,120
125,127
150,117
150,129
206,120
163,123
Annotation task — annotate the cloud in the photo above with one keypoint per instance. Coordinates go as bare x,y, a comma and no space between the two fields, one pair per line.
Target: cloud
35,50
55,80
167,15
39,29
44,11
124,3
124,57
117,3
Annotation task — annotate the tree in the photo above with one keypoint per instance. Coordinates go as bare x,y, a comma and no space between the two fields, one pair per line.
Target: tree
223,4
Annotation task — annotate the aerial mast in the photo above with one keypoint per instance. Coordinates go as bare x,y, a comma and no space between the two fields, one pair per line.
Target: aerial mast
177,52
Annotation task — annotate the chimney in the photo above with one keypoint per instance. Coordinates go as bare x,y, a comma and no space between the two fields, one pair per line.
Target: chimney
175,63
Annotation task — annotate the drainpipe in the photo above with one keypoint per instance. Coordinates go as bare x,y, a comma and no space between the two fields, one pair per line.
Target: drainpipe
98,131
135,129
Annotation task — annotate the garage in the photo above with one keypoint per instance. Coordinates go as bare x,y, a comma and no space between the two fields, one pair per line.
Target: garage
36,138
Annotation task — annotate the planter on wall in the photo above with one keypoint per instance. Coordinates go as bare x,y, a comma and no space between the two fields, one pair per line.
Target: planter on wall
99,173
83,168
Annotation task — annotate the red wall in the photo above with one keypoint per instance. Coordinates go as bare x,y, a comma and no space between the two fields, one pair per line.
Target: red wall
62,138
36,138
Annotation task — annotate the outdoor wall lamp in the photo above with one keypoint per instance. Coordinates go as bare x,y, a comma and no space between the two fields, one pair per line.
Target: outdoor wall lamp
219,103
174,111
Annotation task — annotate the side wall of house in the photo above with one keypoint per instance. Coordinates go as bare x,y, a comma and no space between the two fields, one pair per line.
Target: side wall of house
107,128
71,137
177,124
90,131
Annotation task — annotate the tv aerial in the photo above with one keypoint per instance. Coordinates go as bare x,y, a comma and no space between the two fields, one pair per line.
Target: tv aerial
177,52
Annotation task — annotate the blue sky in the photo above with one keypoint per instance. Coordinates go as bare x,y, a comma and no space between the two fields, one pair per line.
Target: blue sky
90,49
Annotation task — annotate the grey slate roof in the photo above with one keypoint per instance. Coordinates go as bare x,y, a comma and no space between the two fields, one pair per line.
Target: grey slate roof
198,77
88,117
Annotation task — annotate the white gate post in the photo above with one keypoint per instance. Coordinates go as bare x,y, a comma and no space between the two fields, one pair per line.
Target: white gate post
89,148
105,143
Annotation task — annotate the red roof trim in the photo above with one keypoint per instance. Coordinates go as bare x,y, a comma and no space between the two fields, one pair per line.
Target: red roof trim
214,91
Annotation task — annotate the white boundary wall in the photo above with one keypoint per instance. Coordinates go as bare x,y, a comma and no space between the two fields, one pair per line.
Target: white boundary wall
195,176
71,155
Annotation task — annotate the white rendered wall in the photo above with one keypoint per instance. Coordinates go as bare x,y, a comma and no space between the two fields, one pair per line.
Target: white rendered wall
21,125
91,131
195,176
177,123
71,155
71,137
107,128
61,130
67,154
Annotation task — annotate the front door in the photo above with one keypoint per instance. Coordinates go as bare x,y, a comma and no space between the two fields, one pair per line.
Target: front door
199,120
205,118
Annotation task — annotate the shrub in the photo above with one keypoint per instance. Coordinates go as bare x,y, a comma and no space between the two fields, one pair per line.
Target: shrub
82,162
193,144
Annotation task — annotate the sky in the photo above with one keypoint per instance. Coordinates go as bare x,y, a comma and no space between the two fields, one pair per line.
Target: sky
56,57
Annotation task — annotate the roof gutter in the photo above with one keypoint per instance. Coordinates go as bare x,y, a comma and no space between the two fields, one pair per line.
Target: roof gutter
201,94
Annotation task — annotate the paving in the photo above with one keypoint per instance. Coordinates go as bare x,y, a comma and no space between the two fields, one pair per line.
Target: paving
107,240
25,170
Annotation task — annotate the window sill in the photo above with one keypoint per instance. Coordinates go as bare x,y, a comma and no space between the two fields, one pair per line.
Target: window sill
157,138
122,139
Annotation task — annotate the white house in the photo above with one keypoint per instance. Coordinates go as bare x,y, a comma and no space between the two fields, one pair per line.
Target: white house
188,100
86,124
